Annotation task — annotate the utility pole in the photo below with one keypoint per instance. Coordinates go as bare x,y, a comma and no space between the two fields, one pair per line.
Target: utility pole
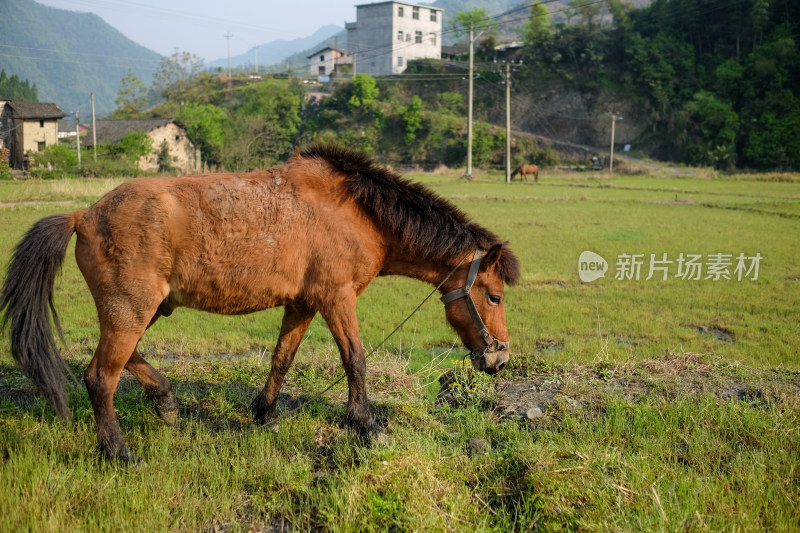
78,138
94,131
469,103
255,51
614,118
228,36
508,123
472,39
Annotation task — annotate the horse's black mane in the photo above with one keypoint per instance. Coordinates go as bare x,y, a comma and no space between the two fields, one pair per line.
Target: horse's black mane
432,227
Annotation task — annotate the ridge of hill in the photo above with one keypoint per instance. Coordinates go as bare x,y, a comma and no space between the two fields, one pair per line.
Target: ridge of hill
69,55
275,52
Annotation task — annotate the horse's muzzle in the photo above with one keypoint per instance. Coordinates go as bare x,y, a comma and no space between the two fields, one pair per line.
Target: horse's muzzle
490,359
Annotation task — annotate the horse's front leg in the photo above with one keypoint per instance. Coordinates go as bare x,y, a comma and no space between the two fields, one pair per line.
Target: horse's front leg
296,319
341,318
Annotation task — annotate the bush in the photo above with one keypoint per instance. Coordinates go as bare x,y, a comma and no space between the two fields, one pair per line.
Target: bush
5,171
58,157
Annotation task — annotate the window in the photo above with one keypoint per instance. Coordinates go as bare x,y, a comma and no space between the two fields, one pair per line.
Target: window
400,11
40,146
433,39
408,37
322,58
400,35
418,37
321,71
41,123
399,61
177,137
415,13
433,15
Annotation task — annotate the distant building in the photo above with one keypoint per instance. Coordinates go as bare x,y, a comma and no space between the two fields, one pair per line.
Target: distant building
185,156
327,61
66,129
387,35
28,127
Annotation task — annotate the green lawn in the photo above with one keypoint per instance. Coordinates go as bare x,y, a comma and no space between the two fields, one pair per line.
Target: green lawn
664,458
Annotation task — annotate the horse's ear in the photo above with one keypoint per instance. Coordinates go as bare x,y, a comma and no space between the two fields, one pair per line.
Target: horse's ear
492,257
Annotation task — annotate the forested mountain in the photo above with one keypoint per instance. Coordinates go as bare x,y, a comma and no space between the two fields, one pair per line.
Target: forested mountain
68,55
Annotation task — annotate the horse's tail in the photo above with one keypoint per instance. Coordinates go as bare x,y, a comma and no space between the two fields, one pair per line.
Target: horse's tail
27,294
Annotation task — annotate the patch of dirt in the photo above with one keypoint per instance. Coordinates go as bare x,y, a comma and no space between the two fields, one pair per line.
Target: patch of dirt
675,376
30,203
718,332
795,278
543,345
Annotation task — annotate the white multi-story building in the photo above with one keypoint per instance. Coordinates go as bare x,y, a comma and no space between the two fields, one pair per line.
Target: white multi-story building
387,35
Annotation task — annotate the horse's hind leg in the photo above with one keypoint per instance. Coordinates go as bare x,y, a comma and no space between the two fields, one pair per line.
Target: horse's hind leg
296,320
157,388
101,378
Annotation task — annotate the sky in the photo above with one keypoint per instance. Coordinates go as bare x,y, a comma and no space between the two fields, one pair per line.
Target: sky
200,26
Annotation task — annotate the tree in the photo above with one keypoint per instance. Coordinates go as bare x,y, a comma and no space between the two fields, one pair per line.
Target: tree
164,159
12,88
175,72
364,92
478,19
412,118
716,123
587,10
205,126
134,146
450,102
253,142
537,28
131,97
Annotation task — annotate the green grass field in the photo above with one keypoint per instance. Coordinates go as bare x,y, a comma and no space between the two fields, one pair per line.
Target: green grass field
677,404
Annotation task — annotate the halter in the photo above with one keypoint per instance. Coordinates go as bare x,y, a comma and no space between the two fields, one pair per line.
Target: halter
491,343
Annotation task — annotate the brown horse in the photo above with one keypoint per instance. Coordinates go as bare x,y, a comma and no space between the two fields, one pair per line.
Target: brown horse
524,170
309,235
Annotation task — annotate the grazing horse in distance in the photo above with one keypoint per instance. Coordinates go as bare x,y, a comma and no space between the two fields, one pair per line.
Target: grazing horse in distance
524,170
309,235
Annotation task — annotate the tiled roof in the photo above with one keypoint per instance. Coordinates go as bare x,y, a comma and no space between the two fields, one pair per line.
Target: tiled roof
36,110
112,131
323,50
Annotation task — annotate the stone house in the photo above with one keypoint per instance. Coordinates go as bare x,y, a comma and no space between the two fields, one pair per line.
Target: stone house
387,35
28,127
184,154
327,61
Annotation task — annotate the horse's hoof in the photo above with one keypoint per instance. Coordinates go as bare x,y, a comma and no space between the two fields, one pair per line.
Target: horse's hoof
169,417
264,414
123,455
167,407
367,430
383,438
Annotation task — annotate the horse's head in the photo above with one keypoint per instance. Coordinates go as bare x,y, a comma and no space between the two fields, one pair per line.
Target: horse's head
475,307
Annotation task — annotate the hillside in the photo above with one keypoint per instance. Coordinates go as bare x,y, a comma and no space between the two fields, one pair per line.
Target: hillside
68,55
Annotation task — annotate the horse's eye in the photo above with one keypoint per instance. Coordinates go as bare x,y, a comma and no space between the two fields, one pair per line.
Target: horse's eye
494,299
